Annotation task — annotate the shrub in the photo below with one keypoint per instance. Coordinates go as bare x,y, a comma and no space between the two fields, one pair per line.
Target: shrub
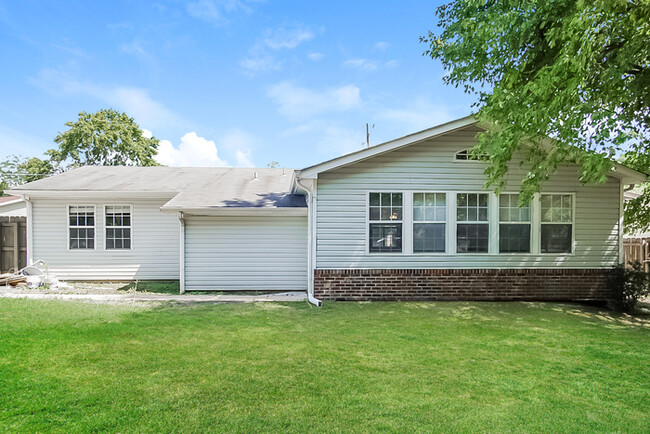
628,284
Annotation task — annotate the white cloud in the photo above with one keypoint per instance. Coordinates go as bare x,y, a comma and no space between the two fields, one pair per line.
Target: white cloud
146,133
363,64
197,151
136,102
262,55
192,151
239,142
315,56
260,63
369,64
286,38
244,158
381,46
418,115
215,11
296,101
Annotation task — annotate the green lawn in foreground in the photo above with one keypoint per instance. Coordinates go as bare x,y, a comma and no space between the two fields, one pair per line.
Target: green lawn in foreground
347,366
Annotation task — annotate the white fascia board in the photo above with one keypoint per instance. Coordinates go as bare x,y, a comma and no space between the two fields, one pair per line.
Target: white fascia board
89,194
234,211
313,171
627,175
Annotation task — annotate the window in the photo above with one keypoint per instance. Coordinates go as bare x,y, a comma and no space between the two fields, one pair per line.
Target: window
472,228
429,216
557,223
81,227
514,225
118,227
385,226
467,155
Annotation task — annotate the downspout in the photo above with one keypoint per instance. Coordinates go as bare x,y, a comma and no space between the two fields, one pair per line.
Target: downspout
181,219
30,229
311,199
621,222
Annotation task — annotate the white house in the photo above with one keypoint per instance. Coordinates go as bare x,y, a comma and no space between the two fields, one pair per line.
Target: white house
405,220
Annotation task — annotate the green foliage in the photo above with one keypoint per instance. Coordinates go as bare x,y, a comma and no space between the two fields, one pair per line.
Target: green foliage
273,165
575,71
19,170
106,138
629,285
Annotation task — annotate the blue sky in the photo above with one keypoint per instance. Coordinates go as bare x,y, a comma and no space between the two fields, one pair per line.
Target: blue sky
223,82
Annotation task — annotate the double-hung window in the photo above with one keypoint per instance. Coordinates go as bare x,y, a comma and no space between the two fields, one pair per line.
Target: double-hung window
81,227
557,223
514,225
429,217
118,227
385,222
472,227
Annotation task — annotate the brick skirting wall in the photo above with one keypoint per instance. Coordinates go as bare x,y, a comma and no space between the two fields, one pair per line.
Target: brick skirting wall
466,284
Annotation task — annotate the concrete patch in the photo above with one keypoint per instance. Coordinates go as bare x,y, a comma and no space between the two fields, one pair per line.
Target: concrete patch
134,297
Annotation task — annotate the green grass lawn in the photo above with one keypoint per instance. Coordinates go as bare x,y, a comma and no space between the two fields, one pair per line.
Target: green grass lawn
347,366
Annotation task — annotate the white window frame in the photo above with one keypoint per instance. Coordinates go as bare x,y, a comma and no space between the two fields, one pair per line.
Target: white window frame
106,227
473,161
530,222
492,236
573,223
68,227
403,221
413,222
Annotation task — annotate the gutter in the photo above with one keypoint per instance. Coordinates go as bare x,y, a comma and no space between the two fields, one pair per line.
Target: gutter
30,228
181,277
311,200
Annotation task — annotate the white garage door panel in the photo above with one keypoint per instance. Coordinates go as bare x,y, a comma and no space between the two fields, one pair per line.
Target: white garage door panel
257,253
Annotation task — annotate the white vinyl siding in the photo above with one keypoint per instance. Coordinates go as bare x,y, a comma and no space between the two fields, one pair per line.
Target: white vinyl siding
430,166
246,253
155,254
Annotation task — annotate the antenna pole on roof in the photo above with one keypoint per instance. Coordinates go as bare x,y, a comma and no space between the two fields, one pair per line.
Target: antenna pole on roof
367,136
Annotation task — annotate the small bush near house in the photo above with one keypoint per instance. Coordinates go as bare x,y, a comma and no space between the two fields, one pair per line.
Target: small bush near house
629,284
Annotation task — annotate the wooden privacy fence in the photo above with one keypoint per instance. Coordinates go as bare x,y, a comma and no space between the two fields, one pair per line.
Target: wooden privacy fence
13,243
637,249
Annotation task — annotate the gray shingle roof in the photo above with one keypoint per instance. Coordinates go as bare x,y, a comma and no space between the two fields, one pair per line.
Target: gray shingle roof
191,187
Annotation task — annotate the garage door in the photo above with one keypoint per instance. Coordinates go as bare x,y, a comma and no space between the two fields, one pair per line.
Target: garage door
240,253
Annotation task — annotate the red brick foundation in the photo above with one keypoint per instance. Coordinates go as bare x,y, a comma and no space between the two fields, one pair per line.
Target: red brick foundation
467,284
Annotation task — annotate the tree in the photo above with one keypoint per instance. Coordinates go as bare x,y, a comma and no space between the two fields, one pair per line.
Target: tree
106,138
19,170
573,70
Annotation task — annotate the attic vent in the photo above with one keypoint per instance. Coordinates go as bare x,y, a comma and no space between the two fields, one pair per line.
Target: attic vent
467,155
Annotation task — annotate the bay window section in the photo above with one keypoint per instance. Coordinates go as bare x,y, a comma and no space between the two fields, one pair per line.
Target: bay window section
429,217
514,225
385,222
557,223
81,227
472,227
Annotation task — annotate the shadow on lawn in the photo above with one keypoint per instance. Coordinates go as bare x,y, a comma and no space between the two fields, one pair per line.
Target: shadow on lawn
641,319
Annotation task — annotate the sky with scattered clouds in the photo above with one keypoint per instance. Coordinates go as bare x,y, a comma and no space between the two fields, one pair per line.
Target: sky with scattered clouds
224,82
